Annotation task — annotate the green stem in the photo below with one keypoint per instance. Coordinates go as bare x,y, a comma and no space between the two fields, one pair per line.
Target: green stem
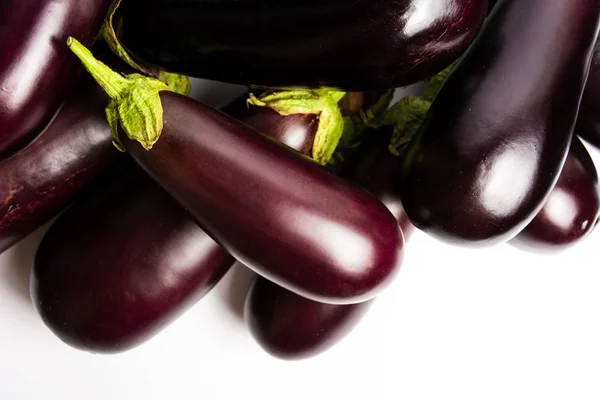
320,102
436,82
134,104
113,83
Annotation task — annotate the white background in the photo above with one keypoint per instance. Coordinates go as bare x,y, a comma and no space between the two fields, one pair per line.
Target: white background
456,324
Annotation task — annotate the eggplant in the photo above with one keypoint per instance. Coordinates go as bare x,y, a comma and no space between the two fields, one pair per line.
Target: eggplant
351,45
121,264
36,70
588,122
44,177
572,210
126,260
275,210
495,139
292,327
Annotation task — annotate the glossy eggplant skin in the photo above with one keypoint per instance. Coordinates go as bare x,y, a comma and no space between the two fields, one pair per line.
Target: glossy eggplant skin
497,135
126,260
291,327
352,45
44,177
36,69
121,264
276,211
588,122
572,209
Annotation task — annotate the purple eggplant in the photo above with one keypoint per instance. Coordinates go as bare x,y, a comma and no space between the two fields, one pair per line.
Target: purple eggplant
121,264
351,45
278,212
572,209
44,177
36,70
127,259
292,327
588,122
497,135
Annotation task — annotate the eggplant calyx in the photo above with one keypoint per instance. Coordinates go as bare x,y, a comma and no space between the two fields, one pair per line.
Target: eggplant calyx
406,116
178,83
435,83
320,102
134,103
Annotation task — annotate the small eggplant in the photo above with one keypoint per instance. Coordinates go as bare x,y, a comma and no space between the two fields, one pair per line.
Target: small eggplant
127,259
36,70
386,43
572,209
292,327
44,177
498,132
276,211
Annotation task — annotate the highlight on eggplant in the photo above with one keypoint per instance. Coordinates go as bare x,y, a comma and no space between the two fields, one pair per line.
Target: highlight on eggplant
351,45
496,137
36,72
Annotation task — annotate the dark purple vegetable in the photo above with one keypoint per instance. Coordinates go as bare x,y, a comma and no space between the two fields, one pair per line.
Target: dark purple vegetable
121,264
290,326
497,135
277,212
43,178
588,122
352,45
273,209
36,70
572,209
127,259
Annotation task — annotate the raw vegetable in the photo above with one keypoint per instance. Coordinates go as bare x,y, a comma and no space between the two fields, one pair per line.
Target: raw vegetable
498,132
273,209
351,45
36,71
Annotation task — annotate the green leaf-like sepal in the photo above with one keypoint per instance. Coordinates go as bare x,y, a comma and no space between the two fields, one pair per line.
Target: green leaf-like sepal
134,104
176,82
320,102
406,116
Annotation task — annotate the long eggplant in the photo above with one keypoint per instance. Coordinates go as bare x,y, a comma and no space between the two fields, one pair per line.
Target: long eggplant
498,132
572,209
292,327
352,45
276,211
44,177
127,259
36,70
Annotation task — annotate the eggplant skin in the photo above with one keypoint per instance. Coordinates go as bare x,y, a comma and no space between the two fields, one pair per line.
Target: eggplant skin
122,264
276,211
291,327
588,122
36,68
44,177
572,209
497,134
355,45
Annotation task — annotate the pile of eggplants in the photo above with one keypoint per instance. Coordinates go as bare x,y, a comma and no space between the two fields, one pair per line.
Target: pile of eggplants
149,230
